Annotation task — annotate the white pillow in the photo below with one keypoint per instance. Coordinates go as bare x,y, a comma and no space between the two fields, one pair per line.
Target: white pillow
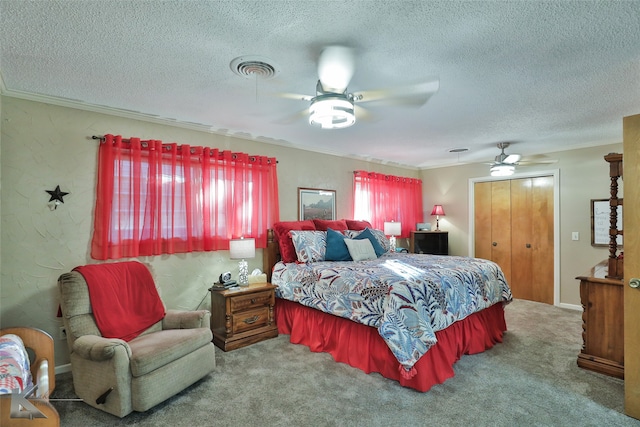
360,250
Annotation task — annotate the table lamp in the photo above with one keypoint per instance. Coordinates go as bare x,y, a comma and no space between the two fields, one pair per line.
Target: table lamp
437,211
392,229
241,249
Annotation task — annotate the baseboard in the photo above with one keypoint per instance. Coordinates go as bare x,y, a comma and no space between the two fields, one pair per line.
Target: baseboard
61,369
570,306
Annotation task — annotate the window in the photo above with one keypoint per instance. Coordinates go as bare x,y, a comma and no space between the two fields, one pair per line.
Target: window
378,198
157,198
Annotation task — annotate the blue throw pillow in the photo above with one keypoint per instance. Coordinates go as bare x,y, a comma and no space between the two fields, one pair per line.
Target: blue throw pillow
368,234
336,247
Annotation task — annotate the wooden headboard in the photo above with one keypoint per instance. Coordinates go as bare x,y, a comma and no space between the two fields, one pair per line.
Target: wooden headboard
271,254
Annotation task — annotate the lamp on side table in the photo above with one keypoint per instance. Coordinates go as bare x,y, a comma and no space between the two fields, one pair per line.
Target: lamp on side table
392,229
241,249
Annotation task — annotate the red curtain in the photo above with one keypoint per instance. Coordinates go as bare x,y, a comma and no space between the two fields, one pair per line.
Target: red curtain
158,198
379,198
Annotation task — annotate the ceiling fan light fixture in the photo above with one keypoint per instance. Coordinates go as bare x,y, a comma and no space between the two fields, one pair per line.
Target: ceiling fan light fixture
502,170
333,111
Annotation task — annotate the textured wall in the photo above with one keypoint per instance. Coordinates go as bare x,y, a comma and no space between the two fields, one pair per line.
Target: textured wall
45,145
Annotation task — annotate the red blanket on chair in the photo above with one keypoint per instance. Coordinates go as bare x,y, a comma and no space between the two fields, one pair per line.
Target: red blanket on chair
123,297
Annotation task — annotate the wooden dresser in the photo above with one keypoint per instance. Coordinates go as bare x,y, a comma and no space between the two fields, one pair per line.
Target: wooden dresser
602,296
244,316
602,322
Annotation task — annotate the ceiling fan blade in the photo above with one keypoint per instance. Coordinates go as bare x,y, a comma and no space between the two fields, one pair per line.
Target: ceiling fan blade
512,158
292,118
537,162
414,95
336,66
364,115
537,159
295,96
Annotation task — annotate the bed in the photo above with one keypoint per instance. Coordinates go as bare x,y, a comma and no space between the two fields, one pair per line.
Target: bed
409,317
27,360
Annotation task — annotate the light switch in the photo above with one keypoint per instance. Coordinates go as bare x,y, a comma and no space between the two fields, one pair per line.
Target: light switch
575,235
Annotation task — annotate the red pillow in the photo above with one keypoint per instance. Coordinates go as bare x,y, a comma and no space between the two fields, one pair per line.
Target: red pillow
357,225
323,224
281,229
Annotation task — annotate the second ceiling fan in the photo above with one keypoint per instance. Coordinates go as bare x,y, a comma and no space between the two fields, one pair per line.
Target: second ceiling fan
505,164
334,107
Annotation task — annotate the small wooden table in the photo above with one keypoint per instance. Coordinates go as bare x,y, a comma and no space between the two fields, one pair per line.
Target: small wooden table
244,316
602,322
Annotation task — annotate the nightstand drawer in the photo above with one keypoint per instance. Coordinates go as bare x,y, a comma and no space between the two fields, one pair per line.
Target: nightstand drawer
254,300
252,319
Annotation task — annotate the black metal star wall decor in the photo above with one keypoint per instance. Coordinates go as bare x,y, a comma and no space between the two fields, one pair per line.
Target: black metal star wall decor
56,194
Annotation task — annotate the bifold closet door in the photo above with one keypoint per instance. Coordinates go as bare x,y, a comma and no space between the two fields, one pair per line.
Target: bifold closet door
492,223
532,239
513,226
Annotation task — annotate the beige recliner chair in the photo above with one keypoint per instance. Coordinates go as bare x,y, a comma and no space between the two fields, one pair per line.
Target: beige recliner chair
119,377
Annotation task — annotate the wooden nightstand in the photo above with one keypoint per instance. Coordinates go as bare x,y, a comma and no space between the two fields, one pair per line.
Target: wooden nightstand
242,317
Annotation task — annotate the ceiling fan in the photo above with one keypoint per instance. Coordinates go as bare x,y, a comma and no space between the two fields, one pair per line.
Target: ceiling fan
505,164
334,107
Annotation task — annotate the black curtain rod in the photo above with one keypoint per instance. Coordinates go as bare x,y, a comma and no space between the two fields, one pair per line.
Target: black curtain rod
101,138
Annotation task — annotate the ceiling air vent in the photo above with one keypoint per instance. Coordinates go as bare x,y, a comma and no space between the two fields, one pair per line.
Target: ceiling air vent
251,67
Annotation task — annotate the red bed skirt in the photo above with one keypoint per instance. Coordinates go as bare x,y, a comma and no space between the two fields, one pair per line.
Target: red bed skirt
362,347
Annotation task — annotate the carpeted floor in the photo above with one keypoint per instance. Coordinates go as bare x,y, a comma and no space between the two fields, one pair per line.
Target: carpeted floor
530,379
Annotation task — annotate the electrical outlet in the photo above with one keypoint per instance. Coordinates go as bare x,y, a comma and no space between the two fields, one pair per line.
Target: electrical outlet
62,333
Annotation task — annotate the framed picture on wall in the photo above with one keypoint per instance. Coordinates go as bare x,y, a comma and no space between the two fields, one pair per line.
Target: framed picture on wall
601,221
314,203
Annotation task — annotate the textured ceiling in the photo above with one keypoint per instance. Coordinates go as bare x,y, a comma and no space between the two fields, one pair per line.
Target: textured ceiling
546,76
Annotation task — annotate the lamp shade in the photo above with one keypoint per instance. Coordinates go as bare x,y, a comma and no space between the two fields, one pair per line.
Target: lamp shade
437,210
392,228
242,248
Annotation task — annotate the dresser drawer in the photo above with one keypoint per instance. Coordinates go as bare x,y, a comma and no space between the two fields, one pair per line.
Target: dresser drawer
253,300
249,320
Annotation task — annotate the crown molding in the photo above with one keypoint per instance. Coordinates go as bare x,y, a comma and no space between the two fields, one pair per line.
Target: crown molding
201,127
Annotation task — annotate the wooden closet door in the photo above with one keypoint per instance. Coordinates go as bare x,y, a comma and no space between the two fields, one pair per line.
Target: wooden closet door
482,219
492,223
532,250
542,239
521,223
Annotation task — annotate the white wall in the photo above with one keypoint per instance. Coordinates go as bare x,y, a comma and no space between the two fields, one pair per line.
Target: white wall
45,145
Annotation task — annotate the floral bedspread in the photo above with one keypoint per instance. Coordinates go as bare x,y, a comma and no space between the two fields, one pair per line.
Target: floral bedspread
407,297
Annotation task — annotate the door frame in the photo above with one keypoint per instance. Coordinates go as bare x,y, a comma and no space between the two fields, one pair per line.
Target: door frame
555,173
